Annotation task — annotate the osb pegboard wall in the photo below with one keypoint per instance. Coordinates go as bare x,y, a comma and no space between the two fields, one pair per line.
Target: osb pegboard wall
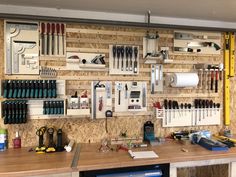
96,39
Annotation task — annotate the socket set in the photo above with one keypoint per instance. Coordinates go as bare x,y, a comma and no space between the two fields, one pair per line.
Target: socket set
123,59
29,89
14,112
53,107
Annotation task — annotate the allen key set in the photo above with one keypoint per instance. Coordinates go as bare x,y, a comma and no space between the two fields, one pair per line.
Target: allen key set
124,59
52,39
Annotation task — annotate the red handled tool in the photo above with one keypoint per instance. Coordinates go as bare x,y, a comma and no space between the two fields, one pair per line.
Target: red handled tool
58,36
53,39
43,38
216,81
63,33
48,38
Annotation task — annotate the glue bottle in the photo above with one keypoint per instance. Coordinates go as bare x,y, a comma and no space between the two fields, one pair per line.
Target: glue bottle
17,141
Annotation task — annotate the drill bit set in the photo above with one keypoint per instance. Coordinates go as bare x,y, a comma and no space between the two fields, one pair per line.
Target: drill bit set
14,111
47,72
201,112
52,39
124,59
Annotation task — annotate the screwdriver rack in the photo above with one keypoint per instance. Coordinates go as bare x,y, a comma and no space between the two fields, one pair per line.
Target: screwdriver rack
188,117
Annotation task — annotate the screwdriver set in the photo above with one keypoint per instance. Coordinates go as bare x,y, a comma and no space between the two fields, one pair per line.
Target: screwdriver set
52,39
14,111
201,112
124,59
29,89
22,48
130,96
53,107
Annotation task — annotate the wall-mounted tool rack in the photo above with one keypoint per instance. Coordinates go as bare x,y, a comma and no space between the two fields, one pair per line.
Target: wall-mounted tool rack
52,39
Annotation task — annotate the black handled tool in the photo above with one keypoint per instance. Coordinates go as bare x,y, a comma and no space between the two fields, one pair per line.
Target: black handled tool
118,50
114,55
166,107
41,148
135,59
131,56
51,146
212,79
58,37
122,51
170,111
127,57
60,146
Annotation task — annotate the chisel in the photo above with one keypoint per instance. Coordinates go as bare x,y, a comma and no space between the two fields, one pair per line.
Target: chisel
153,78
10,92
122,51
27,91
135,59
36,92
32,89
63,37
43,38
15,90
19,89
48,38
58,37
114,55
144,96
119,88
127,58
53,40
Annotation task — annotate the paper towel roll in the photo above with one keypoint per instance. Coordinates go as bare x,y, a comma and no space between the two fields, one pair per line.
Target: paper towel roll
184,80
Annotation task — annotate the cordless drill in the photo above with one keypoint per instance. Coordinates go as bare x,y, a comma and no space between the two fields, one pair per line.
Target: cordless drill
41,147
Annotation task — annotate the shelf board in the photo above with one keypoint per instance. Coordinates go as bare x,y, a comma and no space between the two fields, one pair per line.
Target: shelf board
184,95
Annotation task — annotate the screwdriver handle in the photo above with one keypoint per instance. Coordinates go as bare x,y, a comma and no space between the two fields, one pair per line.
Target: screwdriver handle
53,28
48,28
58,28
62,29
212,79
42,28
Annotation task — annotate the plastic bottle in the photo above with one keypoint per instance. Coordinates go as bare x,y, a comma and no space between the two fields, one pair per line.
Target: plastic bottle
17,141
3,139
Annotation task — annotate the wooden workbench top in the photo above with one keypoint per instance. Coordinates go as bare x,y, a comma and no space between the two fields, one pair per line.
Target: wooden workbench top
21,162
170,152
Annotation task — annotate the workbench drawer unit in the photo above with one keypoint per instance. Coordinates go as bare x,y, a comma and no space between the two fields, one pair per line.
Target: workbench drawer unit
137,171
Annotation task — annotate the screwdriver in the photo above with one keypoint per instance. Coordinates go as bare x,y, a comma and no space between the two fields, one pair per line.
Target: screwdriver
63,41
53,41
131,56
43,38
182,107
211,106
118,50
200,109
170,111
127,57
114,55
196,109
185,107
135,59
207,107
122,51
166,107
203,108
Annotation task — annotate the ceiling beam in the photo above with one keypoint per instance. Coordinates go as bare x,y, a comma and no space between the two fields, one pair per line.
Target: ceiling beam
53,14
